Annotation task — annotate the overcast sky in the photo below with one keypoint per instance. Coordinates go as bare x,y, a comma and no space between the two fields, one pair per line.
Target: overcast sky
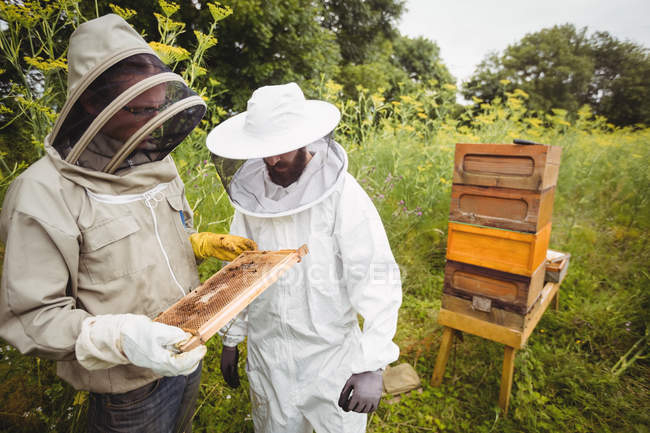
467,30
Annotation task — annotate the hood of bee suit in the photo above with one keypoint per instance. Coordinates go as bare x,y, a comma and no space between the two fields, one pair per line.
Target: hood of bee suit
124,106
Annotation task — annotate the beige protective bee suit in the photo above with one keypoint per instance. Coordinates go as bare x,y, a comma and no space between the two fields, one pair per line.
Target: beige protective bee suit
99,226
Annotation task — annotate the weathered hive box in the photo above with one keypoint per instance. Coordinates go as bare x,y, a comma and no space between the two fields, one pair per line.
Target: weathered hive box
503,250
488,288
513,209
532,167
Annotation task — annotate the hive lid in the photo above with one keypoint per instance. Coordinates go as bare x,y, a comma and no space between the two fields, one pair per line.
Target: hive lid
221,297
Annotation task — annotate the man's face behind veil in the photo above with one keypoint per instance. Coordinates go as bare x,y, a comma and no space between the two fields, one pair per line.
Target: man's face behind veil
286,168
136,113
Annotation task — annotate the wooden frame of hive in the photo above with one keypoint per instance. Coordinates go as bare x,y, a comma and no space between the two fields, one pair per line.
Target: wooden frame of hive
205,310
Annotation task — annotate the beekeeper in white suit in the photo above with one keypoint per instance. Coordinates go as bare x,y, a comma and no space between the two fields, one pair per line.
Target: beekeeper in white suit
310,365
96,237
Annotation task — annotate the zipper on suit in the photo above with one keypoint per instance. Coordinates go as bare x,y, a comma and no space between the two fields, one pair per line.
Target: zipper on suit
291,370
151,201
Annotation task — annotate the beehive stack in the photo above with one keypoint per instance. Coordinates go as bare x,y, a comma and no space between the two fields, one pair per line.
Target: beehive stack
499,228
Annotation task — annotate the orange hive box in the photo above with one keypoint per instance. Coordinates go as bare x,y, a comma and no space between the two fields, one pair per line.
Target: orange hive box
503,250
208,308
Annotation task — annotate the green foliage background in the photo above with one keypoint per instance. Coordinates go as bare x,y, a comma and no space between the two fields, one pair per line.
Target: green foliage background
565,67
585,368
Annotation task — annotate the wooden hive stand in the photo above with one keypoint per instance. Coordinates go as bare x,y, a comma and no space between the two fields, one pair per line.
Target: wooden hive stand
500,328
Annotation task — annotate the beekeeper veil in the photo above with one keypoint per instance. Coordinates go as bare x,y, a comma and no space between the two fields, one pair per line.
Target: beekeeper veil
125,107
278,120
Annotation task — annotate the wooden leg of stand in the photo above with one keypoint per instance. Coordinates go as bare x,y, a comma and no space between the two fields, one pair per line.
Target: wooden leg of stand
506,378
556,301
443,355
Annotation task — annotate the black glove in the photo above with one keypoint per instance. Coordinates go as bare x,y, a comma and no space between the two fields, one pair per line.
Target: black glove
366,391
229,359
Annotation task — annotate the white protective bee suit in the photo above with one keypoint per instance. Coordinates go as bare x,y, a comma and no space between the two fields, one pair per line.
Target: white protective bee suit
304,336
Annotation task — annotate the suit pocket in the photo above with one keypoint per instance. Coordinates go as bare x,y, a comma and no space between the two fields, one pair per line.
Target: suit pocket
112,249
108,232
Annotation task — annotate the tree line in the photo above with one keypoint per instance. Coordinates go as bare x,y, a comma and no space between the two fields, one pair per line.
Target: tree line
565,67
357,44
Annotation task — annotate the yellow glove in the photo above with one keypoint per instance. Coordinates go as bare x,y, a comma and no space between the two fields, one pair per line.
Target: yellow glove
223,247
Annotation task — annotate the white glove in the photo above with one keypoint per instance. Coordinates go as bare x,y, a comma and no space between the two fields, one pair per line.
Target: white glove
109,340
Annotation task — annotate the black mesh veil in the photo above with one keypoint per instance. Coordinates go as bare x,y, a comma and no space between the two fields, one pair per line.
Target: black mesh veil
137,111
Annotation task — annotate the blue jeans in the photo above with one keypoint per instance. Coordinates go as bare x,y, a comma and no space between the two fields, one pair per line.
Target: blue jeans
163,406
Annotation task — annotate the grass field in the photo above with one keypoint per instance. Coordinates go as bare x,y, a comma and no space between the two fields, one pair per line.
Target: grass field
585,368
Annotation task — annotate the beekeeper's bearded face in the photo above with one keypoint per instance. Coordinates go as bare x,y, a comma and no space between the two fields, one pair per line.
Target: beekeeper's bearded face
286,168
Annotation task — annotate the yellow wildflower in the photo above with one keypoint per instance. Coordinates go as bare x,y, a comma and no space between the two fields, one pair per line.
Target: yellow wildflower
27,14
169,24
333,87
377,99
124,13
520,93
560,112
219,11
169,8
535,122
168,53
205,41
46,65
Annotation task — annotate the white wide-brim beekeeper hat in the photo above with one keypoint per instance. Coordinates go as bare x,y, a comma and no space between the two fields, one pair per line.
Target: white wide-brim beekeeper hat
278,119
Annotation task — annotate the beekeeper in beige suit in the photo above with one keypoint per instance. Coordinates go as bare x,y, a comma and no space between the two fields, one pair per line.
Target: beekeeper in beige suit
98,237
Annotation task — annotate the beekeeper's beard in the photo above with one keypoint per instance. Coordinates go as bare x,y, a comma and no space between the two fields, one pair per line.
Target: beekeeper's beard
284,173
